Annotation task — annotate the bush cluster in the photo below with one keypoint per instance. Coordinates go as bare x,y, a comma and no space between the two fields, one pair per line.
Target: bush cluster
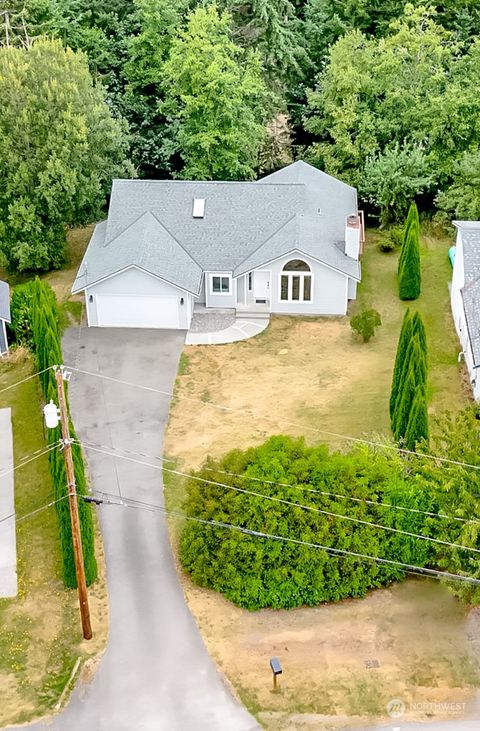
409,274
256,572
408,399
35,319
365,323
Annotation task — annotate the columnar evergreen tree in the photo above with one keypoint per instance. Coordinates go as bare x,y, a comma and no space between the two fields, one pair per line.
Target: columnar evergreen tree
37,300
409,383
418,328
412,220
409,277
417,427
403,341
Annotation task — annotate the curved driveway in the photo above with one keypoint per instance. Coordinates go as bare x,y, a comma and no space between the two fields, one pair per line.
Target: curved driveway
156,674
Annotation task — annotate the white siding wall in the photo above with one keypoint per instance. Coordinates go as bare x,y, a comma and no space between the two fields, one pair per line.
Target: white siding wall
352,289
135,282
329,290
219,300
458,314
201,297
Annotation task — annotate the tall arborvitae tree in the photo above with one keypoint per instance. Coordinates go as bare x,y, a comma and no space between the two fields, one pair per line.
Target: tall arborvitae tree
409,278
410,374
403,341
412,221
418,328
417,427
405,402
411,360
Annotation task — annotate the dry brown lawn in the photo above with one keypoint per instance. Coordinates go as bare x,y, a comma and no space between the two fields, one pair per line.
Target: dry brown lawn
312,377
426,648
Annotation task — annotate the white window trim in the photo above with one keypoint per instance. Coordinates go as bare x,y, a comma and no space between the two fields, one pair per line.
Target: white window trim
290,276
222,275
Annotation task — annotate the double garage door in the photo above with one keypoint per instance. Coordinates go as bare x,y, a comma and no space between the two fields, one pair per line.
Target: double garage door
149,311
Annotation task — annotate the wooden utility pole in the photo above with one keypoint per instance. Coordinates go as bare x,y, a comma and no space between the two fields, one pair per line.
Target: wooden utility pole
73,505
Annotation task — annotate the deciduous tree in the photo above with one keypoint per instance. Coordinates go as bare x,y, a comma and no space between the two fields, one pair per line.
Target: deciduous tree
215,94
59,149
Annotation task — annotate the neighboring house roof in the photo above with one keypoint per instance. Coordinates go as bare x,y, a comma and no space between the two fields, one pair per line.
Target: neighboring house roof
4,301
471,289
150,225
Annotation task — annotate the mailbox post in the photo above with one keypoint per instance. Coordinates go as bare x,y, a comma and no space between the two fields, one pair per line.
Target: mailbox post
276,666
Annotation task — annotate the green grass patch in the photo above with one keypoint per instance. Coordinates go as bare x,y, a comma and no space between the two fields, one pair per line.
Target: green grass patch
40,631
184,365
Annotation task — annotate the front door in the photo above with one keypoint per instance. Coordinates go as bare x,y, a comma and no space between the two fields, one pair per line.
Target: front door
261,285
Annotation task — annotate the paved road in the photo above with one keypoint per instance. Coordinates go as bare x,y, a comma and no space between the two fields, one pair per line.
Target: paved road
156,673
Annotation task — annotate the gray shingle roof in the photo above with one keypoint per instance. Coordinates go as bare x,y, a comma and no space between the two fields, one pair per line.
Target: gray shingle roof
4,301
471,289
150,225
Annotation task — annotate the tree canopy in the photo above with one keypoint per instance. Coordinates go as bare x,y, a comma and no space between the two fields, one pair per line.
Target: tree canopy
410,92
215,95
59,147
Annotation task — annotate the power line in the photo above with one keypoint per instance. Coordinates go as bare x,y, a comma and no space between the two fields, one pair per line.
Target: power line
376,503
339,552
336,495
33,512
243,412
28,378
271,498
26,460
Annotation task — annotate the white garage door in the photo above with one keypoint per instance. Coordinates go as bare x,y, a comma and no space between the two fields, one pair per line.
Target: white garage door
137,311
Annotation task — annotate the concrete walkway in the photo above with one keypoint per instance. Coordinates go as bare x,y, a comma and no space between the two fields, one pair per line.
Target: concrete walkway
8,543
156,674
240,330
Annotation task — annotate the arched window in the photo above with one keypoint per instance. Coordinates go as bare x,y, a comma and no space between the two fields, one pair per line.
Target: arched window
296,282
296,265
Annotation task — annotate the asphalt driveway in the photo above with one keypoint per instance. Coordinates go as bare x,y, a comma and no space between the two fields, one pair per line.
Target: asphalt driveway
156,673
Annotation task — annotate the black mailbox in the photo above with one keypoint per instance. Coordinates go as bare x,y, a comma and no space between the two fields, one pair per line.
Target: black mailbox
276,666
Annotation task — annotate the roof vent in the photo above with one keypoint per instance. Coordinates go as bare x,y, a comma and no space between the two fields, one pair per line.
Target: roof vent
198,207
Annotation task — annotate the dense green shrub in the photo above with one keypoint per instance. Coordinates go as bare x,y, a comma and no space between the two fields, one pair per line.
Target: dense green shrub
365,323
257,572
35,312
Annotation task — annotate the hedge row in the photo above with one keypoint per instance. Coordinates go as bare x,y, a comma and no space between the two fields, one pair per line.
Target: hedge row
35,322
256,572
409,273
408,399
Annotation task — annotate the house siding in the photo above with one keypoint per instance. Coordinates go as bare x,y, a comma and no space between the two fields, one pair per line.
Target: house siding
136,282
3,338
459,319
201,297
329,290
219,300
352,289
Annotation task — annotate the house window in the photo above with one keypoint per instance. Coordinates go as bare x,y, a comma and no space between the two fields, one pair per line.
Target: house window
250,281
296,282
220,285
